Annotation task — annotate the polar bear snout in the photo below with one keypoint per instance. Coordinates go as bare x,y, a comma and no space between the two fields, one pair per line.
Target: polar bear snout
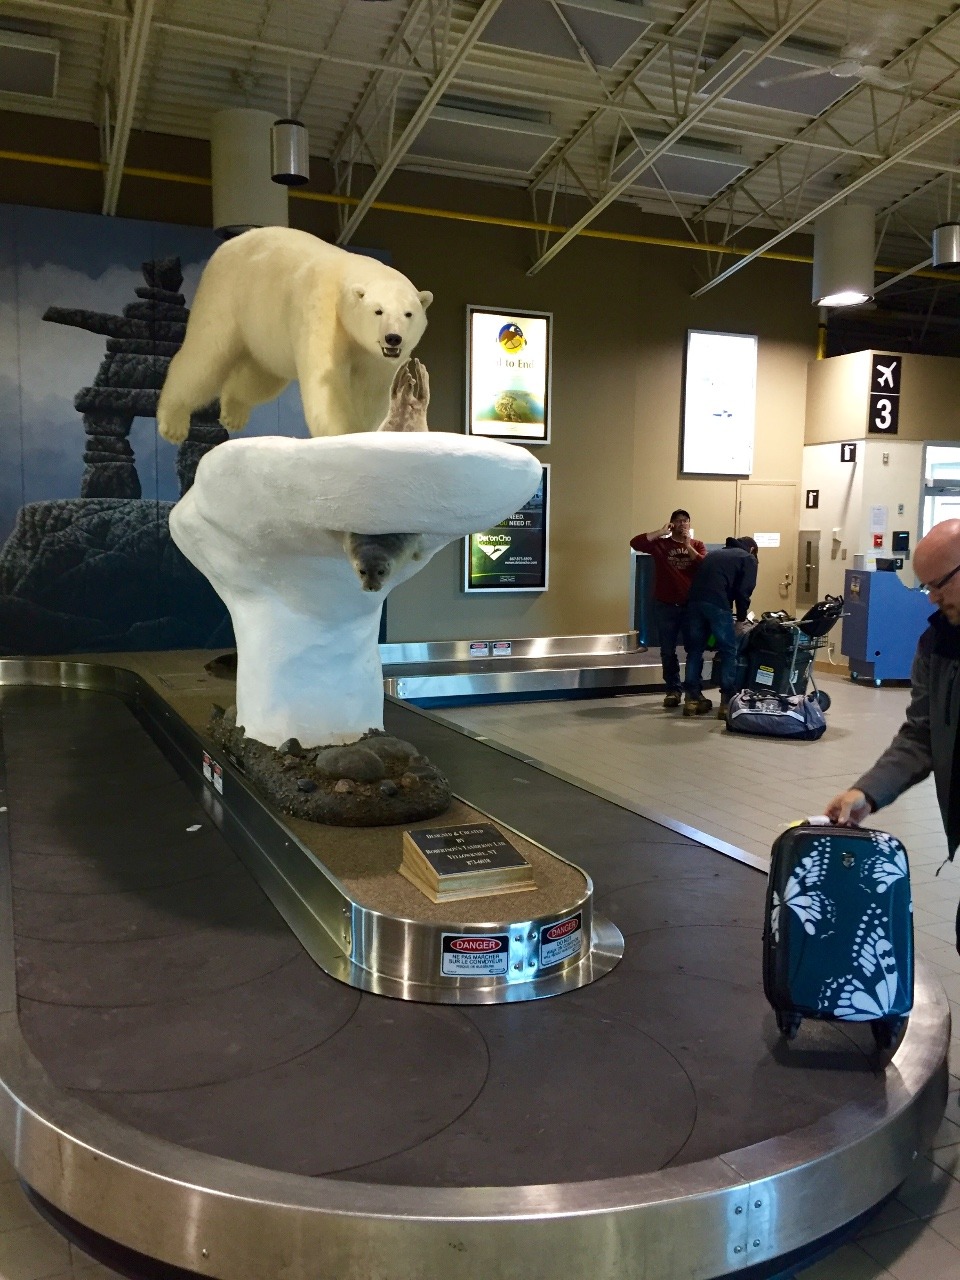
392,343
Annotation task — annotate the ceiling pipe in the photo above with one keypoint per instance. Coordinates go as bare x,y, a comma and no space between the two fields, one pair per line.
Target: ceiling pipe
456,215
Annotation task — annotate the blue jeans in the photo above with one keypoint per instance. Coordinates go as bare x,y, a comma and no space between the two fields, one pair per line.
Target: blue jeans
702,620
672,626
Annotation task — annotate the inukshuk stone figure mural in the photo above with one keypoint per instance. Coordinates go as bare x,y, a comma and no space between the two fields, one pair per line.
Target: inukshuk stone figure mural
140,345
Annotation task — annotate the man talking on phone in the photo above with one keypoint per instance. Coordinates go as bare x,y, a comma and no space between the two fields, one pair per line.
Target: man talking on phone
676,557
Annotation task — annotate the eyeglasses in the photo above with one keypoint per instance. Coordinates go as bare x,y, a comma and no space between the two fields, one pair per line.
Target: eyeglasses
927,587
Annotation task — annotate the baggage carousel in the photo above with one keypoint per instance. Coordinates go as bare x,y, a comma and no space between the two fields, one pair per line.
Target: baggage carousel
458,671
185,1091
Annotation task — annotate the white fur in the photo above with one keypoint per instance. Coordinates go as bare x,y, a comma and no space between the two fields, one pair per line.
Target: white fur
276,304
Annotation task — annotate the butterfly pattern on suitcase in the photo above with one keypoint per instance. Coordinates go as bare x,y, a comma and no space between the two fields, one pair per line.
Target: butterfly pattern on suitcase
859,979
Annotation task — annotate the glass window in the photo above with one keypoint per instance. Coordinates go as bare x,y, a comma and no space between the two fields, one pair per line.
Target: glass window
941,485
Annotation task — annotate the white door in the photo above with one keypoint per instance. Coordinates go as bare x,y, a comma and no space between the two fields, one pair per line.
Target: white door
768,510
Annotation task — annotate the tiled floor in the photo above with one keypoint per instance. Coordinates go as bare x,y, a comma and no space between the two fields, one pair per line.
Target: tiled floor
742,792
30,1249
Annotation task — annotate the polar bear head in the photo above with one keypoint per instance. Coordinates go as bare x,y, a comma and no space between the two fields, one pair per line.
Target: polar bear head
386,317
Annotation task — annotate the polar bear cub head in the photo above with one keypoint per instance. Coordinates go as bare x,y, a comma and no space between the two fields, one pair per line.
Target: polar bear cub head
385,315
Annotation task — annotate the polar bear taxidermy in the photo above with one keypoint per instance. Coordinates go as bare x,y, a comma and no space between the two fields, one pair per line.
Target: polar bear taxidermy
275,304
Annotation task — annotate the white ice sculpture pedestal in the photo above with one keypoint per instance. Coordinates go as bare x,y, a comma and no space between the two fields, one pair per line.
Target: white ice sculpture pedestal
264,522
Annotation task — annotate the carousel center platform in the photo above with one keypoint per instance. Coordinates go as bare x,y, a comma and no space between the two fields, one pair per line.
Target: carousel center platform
186,1092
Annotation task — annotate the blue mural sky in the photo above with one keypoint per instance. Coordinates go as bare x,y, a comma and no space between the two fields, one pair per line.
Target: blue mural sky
52,258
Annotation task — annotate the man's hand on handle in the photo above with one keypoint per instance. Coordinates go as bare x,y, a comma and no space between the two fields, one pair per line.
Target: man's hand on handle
849,808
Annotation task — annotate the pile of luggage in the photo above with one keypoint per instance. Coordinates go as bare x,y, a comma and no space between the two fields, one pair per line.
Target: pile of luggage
775,665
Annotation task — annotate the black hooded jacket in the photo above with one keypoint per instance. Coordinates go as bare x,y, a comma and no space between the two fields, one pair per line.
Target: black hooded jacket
726,577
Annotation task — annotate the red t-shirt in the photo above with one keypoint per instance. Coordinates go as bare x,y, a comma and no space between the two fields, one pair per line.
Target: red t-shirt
674,568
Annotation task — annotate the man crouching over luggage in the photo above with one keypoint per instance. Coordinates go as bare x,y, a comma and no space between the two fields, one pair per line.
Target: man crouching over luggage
726,577
928,739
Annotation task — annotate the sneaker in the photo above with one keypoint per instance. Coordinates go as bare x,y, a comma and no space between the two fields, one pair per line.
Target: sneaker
672,698
697,706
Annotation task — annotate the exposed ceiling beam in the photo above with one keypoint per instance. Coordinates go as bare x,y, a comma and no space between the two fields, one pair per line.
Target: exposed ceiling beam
388,66
399,149
130,71
730,192
675,134
620,91
919,139
885,284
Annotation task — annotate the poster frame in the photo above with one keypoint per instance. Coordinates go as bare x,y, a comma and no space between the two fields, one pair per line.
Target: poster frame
685,468
507,315
469,588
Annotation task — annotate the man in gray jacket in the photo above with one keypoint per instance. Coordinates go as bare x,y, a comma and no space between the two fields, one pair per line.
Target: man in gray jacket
928,739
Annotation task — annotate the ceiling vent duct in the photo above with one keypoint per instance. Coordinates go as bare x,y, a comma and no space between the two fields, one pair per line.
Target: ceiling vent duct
243,194
946,245
488,139
29,64
843,255
606,29
689,168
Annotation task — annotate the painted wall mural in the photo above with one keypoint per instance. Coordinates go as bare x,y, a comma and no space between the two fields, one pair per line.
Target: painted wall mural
92,309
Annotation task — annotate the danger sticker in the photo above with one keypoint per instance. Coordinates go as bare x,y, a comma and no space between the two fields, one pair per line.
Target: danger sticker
560,941
473,955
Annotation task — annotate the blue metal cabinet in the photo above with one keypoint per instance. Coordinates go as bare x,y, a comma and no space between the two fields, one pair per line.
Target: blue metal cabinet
883,620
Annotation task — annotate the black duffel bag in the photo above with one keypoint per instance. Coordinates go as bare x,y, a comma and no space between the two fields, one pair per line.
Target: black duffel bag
769,715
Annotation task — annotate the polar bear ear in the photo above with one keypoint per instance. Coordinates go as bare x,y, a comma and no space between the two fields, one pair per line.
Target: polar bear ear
426,297
359,292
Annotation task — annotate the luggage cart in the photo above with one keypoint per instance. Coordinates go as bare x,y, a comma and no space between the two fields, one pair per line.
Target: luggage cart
777,655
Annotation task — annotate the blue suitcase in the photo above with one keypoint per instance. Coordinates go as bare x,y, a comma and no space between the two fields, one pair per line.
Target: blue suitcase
838,939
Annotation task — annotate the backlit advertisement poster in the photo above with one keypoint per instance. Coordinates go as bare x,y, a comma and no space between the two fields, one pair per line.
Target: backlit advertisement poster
719,403
513,555
508,375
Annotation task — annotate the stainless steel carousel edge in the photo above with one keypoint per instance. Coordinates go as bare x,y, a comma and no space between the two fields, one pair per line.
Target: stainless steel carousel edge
236,1222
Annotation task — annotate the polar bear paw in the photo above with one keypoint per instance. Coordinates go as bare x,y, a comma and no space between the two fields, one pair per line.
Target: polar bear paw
233,414
173,424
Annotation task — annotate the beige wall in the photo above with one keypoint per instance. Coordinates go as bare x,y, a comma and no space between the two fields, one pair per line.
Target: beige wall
838,391
621,312
848,491
841,502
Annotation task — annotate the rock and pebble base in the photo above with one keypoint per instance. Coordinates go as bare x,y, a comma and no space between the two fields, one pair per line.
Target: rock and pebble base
374,782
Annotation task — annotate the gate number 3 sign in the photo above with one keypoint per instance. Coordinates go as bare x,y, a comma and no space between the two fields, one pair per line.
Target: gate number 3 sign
884,395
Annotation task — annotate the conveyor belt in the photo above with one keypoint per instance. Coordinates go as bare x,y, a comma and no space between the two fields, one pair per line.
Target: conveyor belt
158,987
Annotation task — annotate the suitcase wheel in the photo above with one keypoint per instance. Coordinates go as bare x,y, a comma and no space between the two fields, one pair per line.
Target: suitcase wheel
789,1024
886,1031
823,699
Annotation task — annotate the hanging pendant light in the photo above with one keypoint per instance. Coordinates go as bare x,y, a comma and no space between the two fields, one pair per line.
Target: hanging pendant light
289,142
290,152
946,246
843,255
